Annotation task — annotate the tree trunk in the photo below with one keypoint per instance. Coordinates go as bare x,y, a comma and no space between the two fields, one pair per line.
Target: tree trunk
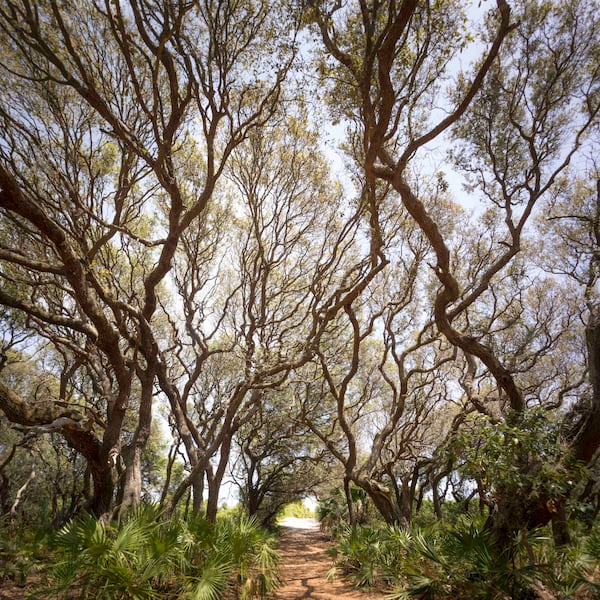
100,469
437,503
216,478
406,501
5,482
508,516
212,503
182,488
169,473
383,500
20,492
587,440
198,493
132,484
131,492
420,497
403,498
349,502
560,528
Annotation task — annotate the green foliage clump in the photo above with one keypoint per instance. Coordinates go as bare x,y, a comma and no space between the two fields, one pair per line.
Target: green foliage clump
524,453
333,513
461,561
22,552
370,555
144,558
297,509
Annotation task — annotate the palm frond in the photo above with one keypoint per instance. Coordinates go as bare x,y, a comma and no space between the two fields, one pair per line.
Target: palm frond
211,583
426,546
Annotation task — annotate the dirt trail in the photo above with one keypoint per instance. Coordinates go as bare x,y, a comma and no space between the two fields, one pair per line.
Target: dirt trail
304,566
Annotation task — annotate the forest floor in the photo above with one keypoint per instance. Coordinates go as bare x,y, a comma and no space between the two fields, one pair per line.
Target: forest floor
305,563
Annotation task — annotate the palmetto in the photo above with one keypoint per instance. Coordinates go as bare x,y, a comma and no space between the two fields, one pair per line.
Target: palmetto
144,557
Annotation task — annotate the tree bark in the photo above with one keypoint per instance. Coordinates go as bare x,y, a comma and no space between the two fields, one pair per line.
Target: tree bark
349,502
101,470
198,493
212,503
20,492
587,440
132,483
383,500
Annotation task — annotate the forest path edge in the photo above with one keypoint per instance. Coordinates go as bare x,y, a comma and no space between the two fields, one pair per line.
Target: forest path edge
305,564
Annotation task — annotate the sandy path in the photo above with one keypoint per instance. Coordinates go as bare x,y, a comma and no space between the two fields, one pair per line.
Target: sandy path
304,566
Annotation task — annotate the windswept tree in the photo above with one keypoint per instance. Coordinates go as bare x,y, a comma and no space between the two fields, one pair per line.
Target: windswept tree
99,186
172,233
378,385
519,118
257,295
169,225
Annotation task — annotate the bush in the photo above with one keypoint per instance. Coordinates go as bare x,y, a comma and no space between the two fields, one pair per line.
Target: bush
22,553
332,511
370,555
459,561
144,558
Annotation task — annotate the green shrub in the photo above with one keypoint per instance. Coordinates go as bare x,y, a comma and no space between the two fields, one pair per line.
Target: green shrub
457,561
143,558
22,553
332,511
297,509
572,570
370,555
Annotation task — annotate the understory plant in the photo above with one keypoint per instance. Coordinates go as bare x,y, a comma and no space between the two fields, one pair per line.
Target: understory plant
143,557
333,514
461,561
371,555
22,552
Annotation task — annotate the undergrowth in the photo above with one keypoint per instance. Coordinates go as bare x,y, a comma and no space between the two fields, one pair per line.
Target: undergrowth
461,561
144,557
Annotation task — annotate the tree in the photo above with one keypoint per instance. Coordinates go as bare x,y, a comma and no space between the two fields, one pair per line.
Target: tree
515,114
531,136
42,480
172,234
258,294
136,111
384,407
102,99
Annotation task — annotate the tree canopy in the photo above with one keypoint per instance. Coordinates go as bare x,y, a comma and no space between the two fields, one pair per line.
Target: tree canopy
302,236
